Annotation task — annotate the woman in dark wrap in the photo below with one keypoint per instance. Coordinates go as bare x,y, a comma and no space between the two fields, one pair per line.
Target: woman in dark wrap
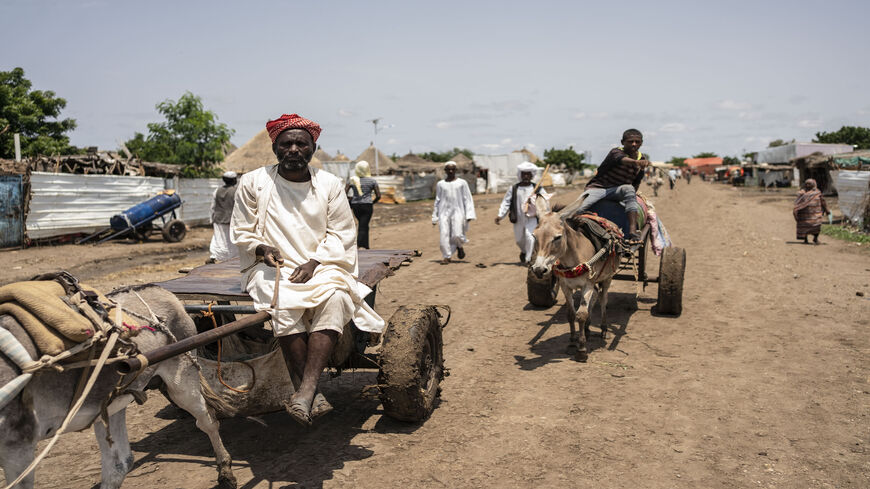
809,208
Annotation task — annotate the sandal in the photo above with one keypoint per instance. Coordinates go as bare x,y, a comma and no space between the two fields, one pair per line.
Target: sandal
319,406
298,410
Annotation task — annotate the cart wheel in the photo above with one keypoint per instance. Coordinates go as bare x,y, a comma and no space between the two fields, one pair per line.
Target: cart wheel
671,272
412,363
174,231
542,292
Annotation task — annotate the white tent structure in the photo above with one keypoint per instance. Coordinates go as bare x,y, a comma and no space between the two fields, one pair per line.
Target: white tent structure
502,170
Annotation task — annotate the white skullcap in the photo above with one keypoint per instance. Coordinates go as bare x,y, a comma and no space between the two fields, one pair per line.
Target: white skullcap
450,163
230,174
526,166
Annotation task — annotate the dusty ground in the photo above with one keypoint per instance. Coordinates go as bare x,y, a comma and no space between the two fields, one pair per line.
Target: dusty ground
764,380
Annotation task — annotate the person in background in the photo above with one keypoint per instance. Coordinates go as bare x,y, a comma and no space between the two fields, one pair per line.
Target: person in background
454,209
221,248
672,177
517,206
359,191
809,208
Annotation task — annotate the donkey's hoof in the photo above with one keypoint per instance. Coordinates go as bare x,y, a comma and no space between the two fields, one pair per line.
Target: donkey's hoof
581,356
227,481
603,333
571,349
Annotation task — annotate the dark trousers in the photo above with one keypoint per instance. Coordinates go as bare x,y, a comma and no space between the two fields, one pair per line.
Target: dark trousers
363,213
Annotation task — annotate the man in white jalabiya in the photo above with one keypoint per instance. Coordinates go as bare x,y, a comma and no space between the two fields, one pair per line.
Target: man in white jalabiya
221,248
518,204
454,209
294,220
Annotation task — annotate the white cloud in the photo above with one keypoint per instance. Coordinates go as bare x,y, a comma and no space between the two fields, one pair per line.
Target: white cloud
733,105
749,116
672,145
490,146
531,145
392,141
673,127
506,141
810,123
591,115
345,113
442,125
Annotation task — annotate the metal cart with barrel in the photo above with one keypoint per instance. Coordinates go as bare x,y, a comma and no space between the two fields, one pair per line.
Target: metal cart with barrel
138,222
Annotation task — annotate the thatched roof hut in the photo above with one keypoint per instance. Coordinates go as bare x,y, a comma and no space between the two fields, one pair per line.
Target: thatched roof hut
463,162
257,152
323,155
385,164
531,157
340,157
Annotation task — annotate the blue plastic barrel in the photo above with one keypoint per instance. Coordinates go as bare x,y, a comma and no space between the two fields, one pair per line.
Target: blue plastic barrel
145,211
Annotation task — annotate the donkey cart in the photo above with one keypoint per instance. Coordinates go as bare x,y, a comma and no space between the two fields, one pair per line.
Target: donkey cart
247,370
632,267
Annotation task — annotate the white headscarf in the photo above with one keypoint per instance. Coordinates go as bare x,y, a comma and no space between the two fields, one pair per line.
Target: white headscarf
361,170
526,166
450,163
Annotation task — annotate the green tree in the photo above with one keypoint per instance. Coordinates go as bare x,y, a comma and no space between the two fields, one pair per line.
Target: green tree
571,159
445,156
35,115
778,142
190,136
706,154
677,161
731,161
858,137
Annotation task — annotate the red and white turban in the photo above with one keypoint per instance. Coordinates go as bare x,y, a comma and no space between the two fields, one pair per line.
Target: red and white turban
292,121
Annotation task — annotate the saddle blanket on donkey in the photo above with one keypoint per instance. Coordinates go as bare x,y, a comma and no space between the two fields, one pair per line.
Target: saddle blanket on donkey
64,319
605,236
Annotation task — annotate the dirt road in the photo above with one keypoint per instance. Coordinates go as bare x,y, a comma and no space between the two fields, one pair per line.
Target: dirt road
764,380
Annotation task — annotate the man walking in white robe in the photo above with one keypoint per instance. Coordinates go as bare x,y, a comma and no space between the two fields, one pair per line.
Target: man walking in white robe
518,205
221,247
294,220
454,209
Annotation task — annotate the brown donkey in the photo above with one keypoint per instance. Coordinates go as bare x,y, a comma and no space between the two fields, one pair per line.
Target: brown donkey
569,254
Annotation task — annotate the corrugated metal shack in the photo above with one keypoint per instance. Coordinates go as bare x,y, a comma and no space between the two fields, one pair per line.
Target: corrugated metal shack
823,167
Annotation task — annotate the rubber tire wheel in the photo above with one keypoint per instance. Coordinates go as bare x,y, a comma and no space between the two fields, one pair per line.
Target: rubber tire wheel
671,273
542,292
174,231
412,363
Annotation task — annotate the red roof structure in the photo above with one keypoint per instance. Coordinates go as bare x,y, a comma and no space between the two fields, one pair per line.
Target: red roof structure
704,165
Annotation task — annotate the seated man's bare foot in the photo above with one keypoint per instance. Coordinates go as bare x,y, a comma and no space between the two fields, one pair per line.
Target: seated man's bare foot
299,409
319,406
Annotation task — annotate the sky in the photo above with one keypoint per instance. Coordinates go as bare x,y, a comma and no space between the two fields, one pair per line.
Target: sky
491,76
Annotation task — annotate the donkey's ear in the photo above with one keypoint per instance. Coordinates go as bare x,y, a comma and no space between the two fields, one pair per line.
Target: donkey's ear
558,207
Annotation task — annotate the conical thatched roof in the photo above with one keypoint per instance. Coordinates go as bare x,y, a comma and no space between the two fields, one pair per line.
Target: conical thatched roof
322,155
531,157
462,162
385,164
412,159
340,157
252,155
256,153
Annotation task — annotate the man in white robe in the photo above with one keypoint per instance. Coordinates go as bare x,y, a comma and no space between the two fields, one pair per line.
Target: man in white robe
296,219
454,209
221,247
517,204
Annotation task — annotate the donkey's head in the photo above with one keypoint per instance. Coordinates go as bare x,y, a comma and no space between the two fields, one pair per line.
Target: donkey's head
550,243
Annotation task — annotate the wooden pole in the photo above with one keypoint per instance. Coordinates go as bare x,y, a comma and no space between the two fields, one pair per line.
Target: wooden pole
192,342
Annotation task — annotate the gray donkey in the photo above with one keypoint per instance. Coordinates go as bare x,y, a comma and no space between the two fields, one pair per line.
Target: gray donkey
40,408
